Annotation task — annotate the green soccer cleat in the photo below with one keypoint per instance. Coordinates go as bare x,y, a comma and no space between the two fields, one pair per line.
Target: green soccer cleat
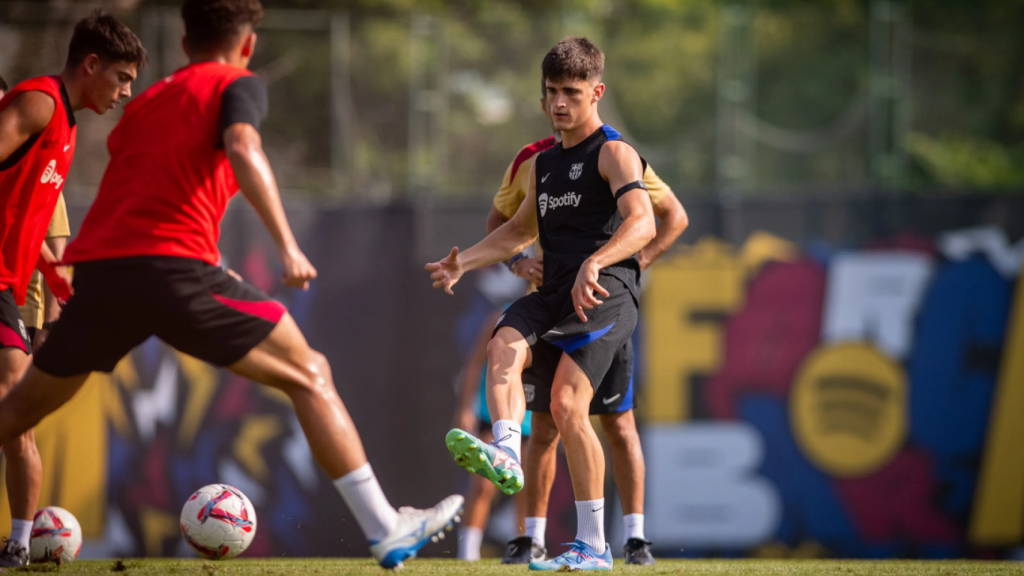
490,461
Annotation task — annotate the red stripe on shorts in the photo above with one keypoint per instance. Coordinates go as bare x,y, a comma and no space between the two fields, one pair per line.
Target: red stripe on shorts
8,337
269,310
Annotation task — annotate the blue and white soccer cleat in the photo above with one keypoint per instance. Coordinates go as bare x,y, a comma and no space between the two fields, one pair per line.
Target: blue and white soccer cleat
579,557
414,529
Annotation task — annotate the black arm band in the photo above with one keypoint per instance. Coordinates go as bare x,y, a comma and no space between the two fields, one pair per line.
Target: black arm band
628,187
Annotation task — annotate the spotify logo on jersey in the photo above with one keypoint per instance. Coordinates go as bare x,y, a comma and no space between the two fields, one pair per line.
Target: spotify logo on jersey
569,199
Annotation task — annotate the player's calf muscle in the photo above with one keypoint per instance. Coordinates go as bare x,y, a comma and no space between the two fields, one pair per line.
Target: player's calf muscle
544,432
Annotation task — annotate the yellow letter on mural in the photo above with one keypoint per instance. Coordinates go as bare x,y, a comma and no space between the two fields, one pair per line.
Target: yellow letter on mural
685,303
998,515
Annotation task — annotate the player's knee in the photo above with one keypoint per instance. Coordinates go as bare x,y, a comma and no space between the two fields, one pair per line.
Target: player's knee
567,408
500,353
314,376
21,447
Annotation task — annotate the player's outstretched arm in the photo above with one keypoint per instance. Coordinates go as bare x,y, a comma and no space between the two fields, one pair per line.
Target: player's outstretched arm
508,240
620,165
529,269
673,221
244,149
27,115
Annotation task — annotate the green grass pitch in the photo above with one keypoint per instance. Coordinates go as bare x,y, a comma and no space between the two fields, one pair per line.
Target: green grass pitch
688,567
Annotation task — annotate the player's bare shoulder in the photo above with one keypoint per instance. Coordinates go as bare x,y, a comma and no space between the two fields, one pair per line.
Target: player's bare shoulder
30,112
619,161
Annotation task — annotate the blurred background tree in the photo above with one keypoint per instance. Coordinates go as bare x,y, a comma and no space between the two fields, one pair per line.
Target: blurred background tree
836,95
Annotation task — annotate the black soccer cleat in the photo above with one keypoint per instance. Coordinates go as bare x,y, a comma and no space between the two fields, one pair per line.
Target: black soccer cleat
523,550
14,555
638,551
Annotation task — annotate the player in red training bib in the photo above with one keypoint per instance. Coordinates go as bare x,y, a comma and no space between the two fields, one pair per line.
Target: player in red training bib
37,143
146,263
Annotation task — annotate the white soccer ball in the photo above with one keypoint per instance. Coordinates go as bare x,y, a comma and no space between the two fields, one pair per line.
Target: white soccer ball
56,536
218,522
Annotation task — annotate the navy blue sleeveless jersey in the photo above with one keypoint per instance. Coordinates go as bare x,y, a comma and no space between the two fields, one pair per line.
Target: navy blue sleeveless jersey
577,213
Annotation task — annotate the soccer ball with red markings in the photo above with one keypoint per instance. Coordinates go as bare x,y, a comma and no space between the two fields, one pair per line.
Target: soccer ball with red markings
56,536
218,522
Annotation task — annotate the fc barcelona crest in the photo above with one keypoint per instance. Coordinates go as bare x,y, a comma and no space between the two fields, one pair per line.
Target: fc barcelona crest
576,171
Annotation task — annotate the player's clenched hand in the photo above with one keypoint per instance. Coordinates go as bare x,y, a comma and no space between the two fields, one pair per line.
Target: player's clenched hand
297,269
65,277
583,291
530,269
445,273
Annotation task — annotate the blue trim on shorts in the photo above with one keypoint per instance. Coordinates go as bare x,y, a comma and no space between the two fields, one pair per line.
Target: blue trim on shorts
570,345
627,402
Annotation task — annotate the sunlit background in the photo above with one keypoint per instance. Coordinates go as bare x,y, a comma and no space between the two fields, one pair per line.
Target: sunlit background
830,358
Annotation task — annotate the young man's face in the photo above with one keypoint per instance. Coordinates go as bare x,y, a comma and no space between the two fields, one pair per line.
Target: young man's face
108,84
569,103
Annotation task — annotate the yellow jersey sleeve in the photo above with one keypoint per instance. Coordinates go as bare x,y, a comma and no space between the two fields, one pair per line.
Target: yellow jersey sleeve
656,187
32,309
59,227
513,189
516,183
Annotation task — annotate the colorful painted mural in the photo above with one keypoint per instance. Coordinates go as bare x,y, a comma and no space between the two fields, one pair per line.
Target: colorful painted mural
858,402
801,401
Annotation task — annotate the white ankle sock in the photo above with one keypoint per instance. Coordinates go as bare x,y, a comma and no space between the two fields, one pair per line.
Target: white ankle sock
21,530
367,502
634,524
535,528
590,518
469,543
509,436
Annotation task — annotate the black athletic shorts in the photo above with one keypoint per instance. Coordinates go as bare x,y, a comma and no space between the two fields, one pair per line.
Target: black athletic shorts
12,328
615,394
119,303
551,327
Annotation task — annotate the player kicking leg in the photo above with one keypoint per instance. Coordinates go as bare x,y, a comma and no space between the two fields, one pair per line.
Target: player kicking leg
146,260
37,142
591,223
472,414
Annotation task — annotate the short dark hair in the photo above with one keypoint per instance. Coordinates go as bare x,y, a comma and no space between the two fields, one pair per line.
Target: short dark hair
574,58
212,24
101,34
3,85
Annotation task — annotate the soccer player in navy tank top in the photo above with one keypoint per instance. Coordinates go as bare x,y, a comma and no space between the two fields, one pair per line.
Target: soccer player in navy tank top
588,205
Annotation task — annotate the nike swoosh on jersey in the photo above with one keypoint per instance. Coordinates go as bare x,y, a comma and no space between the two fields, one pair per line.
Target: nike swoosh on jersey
608,401
545,177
